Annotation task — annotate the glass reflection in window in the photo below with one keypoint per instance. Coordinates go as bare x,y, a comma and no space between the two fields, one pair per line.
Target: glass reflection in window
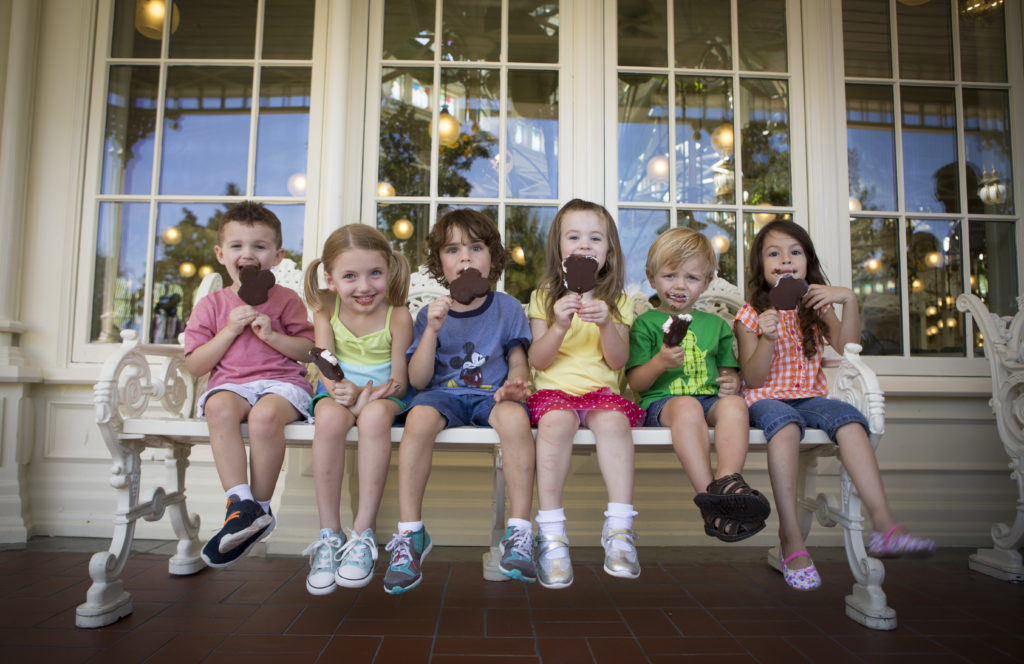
866,44
720,229
987,148
643,138
468,164
871,147
471,30
222,29
764,115
931,176
409,30
533,31
994,265
119,283
703,34
403,167
129,131
762,35
924,35
983,42
407,227
282,138
875,258
526,231
637,231
531,169
705,169
934,272
642,33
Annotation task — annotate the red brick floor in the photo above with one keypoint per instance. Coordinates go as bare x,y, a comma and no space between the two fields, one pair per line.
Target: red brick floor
710,604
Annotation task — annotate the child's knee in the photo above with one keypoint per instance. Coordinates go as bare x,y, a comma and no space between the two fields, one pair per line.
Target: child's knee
683,410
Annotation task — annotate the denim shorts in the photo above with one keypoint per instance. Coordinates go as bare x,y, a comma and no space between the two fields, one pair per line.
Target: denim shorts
252,391
458,410
823,413
654,410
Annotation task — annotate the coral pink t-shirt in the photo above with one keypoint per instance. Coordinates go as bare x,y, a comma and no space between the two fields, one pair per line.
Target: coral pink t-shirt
249,358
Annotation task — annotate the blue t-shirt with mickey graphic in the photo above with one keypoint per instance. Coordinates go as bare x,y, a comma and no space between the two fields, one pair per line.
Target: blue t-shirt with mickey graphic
473,346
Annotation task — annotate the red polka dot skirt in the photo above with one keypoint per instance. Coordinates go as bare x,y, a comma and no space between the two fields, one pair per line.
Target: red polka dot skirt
545,401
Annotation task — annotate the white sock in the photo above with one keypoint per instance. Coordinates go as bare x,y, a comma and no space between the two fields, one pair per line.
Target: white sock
619,516
409,526
265,504
552,522
520,524
242,492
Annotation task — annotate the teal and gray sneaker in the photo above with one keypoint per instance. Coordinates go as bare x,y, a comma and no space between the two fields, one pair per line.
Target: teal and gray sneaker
324,557
358,557
408,550
517,555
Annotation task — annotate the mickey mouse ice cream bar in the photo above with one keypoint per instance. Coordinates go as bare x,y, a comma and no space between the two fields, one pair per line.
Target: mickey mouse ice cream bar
580,273
675,329
787,293
256,283
326,363
468,286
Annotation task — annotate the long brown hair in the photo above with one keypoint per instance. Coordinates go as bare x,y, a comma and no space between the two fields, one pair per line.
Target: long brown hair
812,327
359,236
610,278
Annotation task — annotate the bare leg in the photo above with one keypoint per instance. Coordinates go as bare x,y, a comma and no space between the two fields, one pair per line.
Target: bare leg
374,458
512,423
731,420
555,432
332,424
224,412
690,439
859,460
615,454
422,425
267,420
784,469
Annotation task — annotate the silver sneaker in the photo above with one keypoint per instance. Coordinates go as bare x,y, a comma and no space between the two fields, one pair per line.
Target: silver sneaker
553,572
620,557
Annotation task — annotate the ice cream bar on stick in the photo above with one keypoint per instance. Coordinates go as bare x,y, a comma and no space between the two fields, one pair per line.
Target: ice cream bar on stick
468,286
580,273
787,293
255,284
326,363
675,329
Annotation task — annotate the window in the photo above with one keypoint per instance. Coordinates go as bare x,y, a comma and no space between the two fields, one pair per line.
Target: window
930,171
203,105
469,119
704,124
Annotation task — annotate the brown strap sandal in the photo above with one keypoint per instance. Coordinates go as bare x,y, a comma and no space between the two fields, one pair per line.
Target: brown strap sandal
738,501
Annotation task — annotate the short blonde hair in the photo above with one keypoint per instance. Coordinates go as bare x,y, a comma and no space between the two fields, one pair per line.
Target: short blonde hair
678,245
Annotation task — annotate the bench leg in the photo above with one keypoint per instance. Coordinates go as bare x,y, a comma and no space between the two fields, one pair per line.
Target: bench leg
1004,560
186,560
493,555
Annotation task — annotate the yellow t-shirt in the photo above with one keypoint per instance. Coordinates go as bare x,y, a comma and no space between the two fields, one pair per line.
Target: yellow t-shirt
579,366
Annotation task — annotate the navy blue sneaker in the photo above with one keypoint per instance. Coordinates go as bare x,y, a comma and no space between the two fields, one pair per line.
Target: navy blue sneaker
517,555
408,550
245,524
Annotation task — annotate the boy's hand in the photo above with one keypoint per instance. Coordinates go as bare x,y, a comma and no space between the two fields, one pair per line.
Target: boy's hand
345,392
371,393
671,357
565,307
728,383
437,312
261,326
768,321
595,311
240,318
512,390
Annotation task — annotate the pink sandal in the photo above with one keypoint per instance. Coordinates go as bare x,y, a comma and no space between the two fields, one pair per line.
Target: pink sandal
888,545
799,579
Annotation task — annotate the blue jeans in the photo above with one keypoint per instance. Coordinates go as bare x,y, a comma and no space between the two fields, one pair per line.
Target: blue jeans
829,415
654,410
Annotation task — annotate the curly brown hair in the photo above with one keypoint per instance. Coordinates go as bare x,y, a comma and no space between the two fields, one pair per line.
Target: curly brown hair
477,226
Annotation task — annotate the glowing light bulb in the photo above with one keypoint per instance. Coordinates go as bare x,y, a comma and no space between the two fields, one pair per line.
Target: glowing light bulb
172,236
518,255
657,168
385,189
403,229
187,269
205,270
720,243
447,128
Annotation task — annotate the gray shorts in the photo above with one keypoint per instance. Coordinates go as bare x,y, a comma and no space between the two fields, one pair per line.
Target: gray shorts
252,391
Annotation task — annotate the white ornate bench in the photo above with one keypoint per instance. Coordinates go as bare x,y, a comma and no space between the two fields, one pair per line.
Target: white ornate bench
145,399
1004,346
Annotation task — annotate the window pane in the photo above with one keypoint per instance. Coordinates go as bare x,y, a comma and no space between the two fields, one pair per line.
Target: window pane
407,227
764,114
720,228
130,125
704,140
404,158
206,130
987,146
931,175
871,147
526,231
471,29
119,282
138,28
409,29
468,165
288,29
875,257
703,34
533,31
934,272
752,223
637,230
215,29
643,138
642,33
866,44
762,30
983,43
994,265
282,141
531,171
925,36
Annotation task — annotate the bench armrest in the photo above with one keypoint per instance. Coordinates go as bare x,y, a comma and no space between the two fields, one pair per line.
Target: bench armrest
854,382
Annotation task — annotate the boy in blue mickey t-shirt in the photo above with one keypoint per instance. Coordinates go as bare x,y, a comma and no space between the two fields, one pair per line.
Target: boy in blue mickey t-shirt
469,363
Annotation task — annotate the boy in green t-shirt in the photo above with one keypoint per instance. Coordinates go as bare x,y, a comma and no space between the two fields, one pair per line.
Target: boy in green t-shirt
690,384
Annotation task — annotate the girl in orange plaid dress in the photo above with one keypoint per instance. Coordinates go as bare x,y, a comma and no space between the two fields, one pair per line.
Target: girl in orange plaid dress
785,389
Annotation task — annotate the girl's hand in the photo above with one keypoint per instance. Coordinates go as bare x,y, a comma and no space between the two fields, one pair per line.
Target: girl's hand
672,357
437,312
819,296
565,307
728,383
261,326
768,321
595,311
370,393
345,392
512,390
240,318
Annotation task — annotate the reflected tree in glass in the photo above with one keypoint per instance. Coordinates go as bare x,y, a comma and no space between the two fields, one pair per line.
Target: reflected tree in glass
526,230
469,166
406,226
643,138
934,272
765,141
875,259
720,229
404,154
